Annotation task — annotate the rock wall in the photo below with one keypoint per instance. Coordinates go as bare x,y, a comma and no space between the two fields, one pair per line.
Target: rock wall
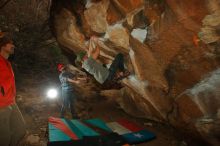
171,47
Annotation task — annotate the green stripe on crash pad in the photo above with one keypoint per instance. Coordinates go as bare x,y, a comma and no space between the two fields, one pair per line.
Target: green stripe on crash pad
57,135
86,131
99,123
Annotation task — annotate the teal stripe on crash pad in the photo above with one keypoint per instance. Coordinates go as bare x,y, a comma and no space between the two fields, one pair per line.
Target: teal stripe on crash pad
56,134
50,126
73,128
86,131
99,123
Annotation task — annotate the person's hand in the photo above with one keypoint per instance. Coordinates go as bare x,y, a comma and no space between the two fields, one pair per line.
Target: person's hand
77,81
94,39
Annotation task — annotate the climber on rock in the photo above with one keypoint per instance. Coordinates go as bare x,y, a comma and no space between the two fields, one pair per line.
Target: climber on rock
88,61
69,95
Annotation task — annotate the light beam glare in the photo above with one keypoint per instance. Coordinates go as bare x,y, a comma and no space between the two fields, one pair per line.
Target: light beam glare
52,93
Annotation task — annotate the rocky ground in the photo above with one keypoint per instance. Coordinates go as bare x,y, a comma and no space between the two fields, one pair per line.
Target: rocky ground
36,109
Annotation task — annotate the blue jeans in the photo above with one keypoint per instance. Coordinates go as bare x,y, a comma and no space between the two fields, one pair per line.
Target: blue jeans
69,99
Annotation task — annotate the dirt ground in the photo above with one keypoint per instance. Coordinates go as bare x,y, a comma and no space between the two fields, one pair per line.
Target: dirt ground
36,109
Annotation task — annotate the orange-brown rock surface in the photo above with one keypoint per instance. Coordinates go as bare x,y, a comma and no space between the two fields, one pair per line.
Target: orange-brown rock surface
171,47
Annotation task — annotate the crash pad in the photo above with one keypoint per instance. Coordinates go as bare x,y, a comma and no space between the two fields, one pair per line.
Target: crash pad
79,132
99,123
116,127
64,130
139,137
129,125
131,132
85,130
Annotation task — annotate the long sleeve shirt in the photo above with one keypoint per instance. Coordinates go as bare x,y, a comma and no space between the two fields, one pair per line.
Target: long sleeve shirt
96,69
7,83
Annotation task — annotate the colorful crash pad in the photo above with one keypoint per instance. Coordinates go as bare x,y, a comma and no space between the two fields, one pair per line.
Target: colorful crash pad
129,125
139,137
56,134
116,127
85,130
131,132
59,129
99,123
78,133
66,130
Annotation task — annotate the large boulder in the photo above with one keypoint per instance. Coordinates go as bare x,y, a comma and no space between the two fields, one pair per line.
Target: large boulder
199,107
68,34
96,16
171,48
118,35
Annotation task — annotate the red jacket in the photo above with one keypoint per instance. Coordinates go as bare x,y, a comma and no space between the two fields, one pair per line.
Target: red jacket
7,82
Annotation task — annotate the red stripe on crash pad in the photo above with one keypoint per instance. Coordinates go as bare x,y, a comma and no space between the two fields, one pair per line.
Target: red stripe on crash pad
129,125
58,123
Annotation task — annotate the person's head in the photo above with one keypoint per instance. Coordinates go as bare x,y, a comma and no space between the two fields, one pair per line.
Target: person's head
80,56
60,67
6,44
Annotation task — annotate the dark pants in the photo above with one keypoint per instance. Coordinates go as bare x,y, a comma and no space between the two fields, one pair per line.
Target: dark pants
12,126
117,65
69,99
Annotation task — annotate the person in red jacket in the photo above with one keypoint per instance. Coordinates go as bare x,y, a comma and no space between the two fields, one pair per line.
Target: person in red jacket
12,127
